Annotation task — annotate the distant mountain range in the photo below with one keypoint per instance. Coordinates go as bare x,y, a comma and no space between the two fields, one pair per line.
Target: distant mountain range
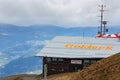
19,45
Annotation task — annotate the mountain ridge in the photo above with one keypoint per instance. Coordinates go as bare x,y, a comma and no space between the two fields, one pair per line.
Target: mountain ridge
25,42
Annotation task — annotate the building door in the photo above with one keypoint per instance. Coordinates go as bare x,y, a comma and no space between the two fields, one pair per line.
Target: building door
76,65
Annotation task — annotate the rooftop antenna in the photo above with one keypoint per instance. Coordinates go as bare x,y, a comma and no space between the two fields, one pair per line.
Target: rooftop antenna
101,20
105,29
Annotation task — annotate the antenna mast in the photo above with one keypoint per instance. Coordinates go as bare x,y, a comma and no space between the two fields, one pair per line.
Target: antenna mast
101,20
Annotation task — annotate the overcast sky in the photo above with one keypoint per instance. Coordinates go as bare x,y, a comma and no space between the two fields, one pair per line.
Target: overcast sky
65,13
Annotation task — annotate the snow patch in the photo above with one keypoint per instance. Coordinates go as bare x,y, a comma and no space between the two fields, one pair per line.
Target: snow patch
3,60
37,42
4,34
34,72
1,53
15,57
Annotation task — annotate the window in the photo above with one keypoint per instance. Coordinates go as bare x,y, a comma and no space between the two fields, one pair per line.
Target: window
86,63
48,59
93,61
60,59
54,59
89,62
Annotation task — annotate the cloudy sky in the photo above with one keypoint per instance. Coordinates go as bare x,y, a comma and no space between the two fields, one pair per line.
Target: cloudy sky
58,12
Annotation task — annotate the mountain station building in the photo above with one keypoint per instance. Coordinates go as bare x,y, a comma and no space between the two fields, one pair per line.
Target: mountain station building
70,54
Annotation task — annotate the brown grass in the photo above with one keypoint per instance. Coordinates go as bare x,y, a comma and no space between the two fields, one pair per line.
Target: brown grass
61,76
18,78
106,69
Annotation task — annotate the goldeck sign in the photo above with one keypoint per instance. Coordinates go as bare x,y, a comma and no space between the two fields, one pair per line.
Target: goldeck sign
88,46
76,61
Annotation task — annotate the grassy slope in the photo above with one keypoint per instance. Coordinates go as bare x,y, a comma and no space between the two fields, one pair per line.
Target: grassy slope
106,69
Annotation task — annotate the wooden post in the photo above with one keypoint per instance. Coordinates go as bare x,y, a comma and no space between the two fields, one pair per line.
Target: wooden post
45,71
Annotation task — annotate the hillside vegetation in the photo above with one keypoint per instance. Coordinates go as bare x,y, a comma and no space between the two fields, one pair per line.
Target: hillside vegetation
105,69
